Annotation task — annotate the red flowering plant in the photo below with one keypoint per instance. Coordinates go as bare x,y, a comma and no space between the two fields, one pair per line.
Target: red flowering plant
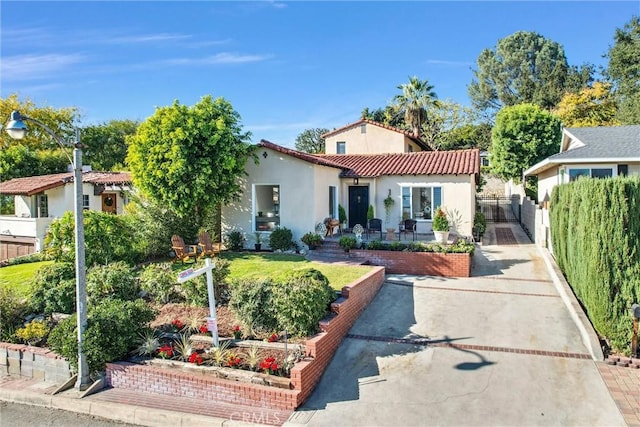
234,361
237,333
195,358
165,352
269,366
204,329
176,325
273,338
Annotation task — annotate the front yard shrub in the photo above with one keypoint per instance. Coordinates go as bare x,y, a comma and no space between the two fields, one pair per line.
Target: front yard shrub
33,332
252,305
112,331
235,240
281,239
159,282
301,301
195,290
53,289
12,311
595,232
115,280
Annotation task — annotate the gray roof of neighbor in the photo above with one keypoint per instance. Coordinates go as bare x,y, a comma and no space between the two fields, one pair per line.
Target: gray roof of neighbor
604,142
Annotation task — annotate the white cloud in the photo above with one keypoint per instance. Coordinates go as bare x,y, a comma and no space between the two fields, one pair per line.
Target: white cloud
30,67
146,38
219,58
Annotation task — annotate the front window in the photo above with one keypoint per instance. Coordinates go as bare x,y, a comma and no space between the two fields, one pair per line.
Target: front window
332,201
43,206
85,201
267,207
341,147
592,173
420,202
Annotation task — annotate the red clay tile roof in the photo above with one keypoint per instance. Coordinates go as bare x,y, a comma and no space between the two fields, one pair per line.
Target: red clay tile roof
460,162
406,133
31,185
311,158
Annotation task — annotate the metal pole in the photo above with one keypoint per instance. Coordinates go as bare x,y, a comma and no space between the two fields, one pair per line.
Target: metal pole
81,290
212,301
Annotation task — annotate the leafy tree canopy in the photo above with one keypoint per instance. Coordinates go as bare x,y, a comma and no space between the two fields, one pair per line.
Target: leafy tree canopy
18,161
106,148
465,136
592,106
190,158
524,67
311,141
624,70
414,100
59,120
522,136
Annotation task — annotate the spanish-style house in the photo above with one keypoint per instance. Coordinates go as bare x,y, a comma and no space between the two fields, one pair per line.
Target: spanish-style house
597,152
368,163
38,200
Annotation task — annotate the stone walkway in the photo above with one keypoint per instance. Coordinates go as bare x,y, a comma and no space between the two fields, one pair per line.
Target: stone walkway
624,386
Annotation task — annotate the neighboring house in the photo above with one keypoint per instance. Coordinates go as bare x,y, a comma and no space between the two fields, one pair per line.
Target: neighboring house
38,200
369,137
597,152
292,189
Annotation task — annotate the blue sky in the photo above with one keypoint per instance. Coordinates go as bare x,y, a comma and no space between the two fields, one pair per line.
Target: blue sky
284,66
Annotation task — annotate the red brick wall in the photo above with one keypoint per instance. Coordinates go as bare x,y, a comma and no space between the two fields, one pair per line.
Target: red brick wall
419,263
304,375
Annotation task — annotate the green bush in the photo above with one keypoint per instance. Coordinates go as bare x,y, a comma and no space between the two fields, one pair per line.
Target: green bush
301,301
235,240
115,280
342,214
33,332
281,239
370,213
12,311
479,224
595,232
159,282
27,259
347,242
112,331
251,303
53,289
195,290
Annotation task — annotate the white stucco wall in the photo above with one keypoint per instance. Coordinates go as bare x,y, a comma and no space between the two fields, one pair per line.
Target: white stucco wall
374,140
546,181
304,194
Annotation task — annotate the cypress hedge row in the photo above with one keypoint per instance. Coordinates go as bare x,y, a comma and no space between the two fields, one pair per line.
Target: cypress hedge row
595,232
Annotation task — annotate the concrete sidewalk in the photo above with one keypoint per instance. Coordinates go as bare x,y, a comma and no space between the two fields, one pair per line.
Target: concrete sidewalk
499,348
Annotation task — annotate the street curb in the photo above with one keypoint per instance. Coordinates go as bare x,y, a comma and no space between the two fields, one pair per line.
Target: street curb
131,414
587,333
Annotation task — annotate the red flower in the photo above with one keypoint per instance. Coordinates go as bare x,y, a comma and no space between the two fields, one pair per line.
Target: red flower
237,333
204,329
165,351
177,324
234,361
195,358
269,365
273,338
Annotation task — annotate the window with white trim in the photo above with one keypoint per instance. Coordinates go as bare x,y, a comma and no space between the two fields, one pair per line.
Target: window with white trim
85,202
267,207
341,147
43,205
575,173
420,202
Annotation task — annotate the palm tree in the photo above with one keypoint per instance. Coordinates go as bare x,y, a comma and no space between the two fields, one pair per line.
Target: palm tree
416,97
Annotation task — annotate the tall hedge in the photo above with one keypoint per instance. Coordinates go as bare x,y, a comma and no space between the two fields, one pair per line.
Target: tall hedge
595,232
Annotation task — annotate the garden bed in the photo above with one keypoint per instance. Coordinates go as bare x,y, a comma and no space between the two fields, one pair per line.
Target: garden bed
419,263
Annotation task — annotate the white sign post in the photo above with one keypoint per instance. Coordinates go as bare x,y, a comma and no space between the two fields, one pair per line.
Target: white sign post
212,321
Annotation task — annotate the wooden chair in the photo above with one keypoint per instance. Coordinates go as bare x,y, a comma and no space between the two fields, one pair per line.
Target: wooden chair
375,224
409,226
183,252
332,225
207,247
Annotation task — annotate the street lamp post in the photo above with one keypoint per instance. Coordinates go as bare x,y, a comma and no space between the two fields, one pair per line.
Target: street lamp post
17,129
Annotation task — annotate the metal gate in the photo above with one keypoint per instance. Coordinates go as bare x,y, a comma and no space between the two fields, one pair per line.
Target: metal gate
499,209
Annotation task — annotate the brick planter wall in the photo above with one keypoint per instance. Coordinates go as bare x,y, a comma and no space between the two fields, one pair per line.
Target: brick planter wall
419,263
304,375
33,362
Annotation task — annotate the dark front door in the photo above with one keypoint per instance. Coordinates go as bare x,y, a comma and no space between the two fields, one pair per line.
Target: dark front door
358,205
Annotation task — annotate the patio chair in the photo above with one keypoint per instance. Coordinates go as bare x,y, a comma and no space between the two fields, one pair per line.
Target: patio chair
409,226
182,251
207,247
375,224
332,225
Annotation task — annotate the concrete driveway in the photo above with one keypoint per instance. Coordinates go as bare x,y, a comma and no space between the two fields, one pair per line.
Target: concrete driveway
499,348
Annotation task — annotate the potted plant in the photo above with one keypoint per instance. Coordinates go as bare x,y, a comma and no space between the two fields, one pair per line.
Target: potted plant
388,206
347,243
479,226
440,226
258,239
370,213
312,240
342,216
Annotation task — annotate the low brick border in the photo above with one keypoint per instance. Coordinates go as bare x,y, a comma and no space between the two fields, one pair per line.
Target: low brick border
33,362
419,263
304,375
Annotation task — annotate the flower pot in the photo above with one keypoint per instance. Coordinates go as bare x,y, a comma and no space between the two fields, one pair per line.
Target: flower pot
441,236
258,246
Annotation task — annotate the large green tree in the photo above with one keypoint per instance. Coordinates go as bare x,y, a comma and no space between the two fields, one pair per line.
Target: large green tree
624,70
524,67
106,146
591,106
414,100
190,158
522,136
311,141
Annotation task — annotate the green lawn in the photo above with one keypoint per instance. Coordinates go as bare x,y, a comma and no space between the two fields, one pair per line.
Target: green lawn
19,276
262,265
